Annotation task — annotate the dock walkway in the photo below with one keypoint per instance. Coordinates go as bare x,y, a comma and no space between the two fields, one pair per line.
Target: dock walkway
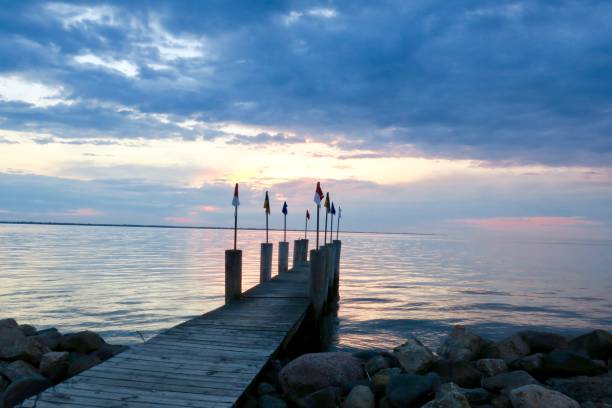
208,361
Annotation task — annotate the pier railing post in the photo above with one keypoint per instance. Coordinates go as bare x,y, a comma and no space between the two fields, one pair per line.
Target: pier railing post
283,257
265,262
233,274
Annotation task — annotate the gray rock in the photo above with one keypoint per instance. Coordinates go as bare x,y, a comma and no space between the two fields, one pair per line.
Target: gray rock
79,362
462,373
8,324
448,396
413,356
14,345
536,396
533,364
597,344
376,363
270,401
566,363
461,345
410,390
23,388
312,372
583,389
502,401
54,365
82,342
27,329
508,381
264,388
491,366
476,395
383,377
508,349
359,397
325,398
543,342
365,355
18,369
49,337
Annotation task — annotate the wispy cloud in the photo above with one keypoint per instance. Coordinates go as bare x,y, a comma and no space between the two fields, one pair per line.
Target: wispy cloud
504,223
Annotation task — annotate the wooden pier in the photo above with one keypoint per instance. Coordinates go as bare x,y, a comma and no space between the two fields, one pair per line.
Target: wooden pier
208,361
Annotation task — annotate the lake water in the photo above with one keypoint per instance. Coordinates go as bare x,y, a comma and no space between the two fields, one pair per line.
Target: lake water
130,283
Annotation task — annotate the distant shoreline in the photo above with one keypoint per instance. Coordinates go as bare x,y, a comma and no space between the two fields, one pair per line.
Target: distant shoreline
82,224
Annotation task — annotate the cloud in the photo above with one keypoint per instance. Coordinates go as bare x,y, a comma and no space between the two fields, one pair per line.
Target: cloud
14,88
82,212
124,67
504,223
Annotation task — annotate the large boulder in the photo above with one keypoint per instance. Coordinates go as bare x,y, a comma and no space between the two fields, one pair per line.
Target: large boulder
107,351
543,342
491,366
461,345
14,345
312,372
508,381
27,329
82,342
410,390
584,389
23,388
476,396
566,363
8,324
54,365
18,369
377,363
533,364
413,356
596,344
508,349
360,397
448,396
383,377
536,396
462,373
49,337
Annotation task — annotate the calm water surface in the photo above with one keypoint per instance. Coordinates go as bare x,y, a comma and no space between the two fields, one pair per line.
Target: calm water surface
130,283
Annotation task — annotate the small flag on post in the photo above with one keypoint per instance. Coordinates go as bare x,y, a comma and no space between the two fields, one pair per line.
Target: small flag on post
285,221
267,207
317,199
306,225
327,209
331,226
236,204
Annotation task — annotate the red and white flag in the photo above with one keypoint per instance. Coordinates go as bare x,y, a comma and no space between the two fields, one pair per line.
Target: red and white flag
236,200
318,195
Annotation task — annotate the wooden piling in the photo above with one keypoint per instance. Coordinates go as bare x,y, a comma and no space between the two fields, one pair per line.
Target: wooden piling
317,281
265,262
283,257
296,252
233,274
304,252
338,250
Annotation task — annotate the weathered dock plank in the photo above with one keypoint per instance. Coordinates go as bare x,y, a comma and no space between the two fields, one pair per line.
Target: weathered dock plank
207,361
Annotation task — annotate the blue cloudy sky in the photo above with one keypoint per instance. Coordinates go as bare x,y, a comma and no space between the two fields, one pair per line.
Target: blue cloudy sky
416,116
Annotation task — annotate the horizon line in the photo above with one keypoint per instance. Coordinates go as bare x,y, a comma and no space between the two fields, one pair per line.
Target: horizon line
86,224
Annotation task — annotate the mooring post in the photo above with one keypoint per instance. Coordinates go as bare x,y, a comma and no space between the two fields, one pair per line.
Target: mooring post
330,266
265,262
338,245
233,274
318,281
304,252
296,253
283,257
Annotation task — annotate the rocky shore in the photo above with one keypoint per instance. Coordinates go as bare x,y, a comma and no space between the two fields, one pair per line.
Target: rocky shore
529,369
32,360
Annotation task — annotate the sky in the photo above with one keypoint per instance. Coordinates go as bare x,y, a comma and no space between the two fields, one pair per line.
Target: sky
420,116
